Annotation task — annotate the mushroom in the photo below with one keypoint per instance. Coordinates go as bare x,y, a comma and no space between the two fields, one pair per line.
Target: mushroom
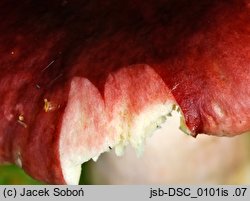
80,77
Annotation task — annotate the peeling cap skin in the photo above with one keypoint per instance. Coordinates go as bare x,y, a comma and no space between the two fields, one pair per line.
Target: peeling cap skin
72,71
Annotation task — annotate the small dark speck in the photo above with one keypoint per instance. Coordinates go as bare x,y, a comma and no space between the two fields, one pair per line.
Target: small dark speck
110,147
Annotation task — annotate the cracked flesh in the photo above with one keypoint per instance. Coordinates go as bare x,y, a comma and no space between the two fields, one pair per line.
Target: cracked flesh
73,70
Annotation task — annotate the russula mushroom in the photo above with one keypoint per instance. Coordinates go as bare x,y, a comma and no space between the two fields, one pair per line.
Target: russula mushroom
78,77
170,157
